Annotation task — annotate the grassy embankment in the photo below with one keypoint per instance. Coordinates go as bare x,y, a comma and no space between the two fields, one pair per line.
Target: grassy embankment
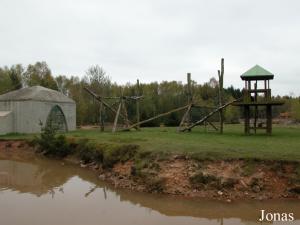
145,160
284,144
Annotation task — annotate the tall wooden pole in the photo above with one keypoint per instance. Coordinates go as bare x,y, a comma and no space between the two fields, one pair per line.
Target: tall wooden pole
269,119
247,119
221,93
186,118
256,108
138,103
189,89
189,92
125,112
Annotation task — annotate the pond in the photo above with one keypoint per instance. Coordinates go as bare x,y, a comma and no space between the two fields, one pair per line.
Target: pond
48,192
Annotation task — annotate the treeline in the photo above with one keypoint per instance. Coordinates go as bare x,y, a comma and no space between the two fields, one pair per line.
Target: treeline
157,97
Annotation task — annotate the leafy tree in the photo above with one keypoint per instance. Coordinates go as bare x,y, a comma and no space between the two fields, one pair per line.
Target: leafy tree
15,74
62,84
5,81
235,93
52,144
96,75
97,80
39,74
157,97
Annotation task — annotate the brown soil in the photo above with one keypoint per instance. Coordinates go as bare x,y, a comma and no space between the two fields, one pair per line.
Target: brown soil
176,176
16,150
224,180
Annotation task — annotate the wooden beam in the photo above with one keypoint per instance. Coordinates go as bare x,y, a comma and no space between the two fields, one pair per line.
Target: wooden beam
156,117
186,114
124,97
210,123
209,115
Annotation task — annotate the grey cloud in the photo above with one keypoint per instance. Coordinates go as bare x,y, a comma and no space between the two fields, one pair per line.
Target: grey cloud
155,39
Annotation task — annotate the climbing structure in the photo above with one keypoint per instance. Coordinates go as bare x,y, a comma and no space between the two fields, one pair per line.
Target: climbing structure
257,100
186,124
121,111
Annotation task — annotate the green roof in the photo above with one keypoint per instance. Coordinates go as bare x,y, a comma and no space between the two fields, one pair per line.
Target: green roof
257,73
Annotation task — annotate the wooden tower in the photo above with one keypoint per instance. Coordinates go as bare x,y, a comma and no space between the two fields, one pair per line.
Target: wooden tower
257,99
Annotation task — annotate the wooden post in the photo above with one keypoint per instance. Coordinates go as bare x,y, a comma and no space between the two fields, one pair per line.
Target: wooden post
190,100
123,106
266,92
101,117
269,119
221,98
256,107
255,118
138,103
247,119
189,88
186,118
117,117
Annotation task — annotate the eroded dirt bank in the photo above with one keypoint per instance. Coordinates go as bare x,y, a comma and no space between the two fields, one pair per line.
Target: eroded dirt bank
184,176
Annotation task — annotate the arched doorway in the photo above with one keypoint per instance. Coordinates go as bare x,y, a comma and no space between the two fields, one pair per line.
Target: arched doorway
56,119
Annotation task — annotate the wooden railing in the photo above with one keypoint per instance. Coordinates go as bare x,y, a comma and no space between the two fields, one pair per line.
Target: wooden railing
248,98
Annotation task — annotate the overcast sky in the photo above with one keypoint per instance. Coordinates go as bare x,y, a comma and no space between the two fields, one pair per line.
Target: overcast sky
156,40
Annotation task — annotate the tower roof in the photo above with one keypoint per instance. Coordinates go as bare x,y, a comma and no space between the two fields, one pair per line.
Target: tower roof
35,93
257,73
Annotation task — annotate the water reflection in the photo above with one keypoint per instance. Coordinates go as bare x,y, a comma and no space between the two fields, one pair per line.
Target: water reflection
32,192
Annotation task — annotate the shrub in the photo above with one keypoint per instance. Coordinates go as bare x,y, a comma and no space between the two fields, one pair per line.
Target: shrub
155,184
107,155
229,183
118,153
52,144
200,179
89,152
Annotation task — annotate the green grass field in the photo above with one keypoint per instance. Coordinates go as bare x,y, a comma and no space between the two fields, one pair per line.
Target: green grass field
284,144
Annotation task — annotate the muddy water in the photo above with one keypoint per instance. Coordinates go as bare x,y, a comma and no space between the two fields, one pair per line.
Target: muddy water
47,192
